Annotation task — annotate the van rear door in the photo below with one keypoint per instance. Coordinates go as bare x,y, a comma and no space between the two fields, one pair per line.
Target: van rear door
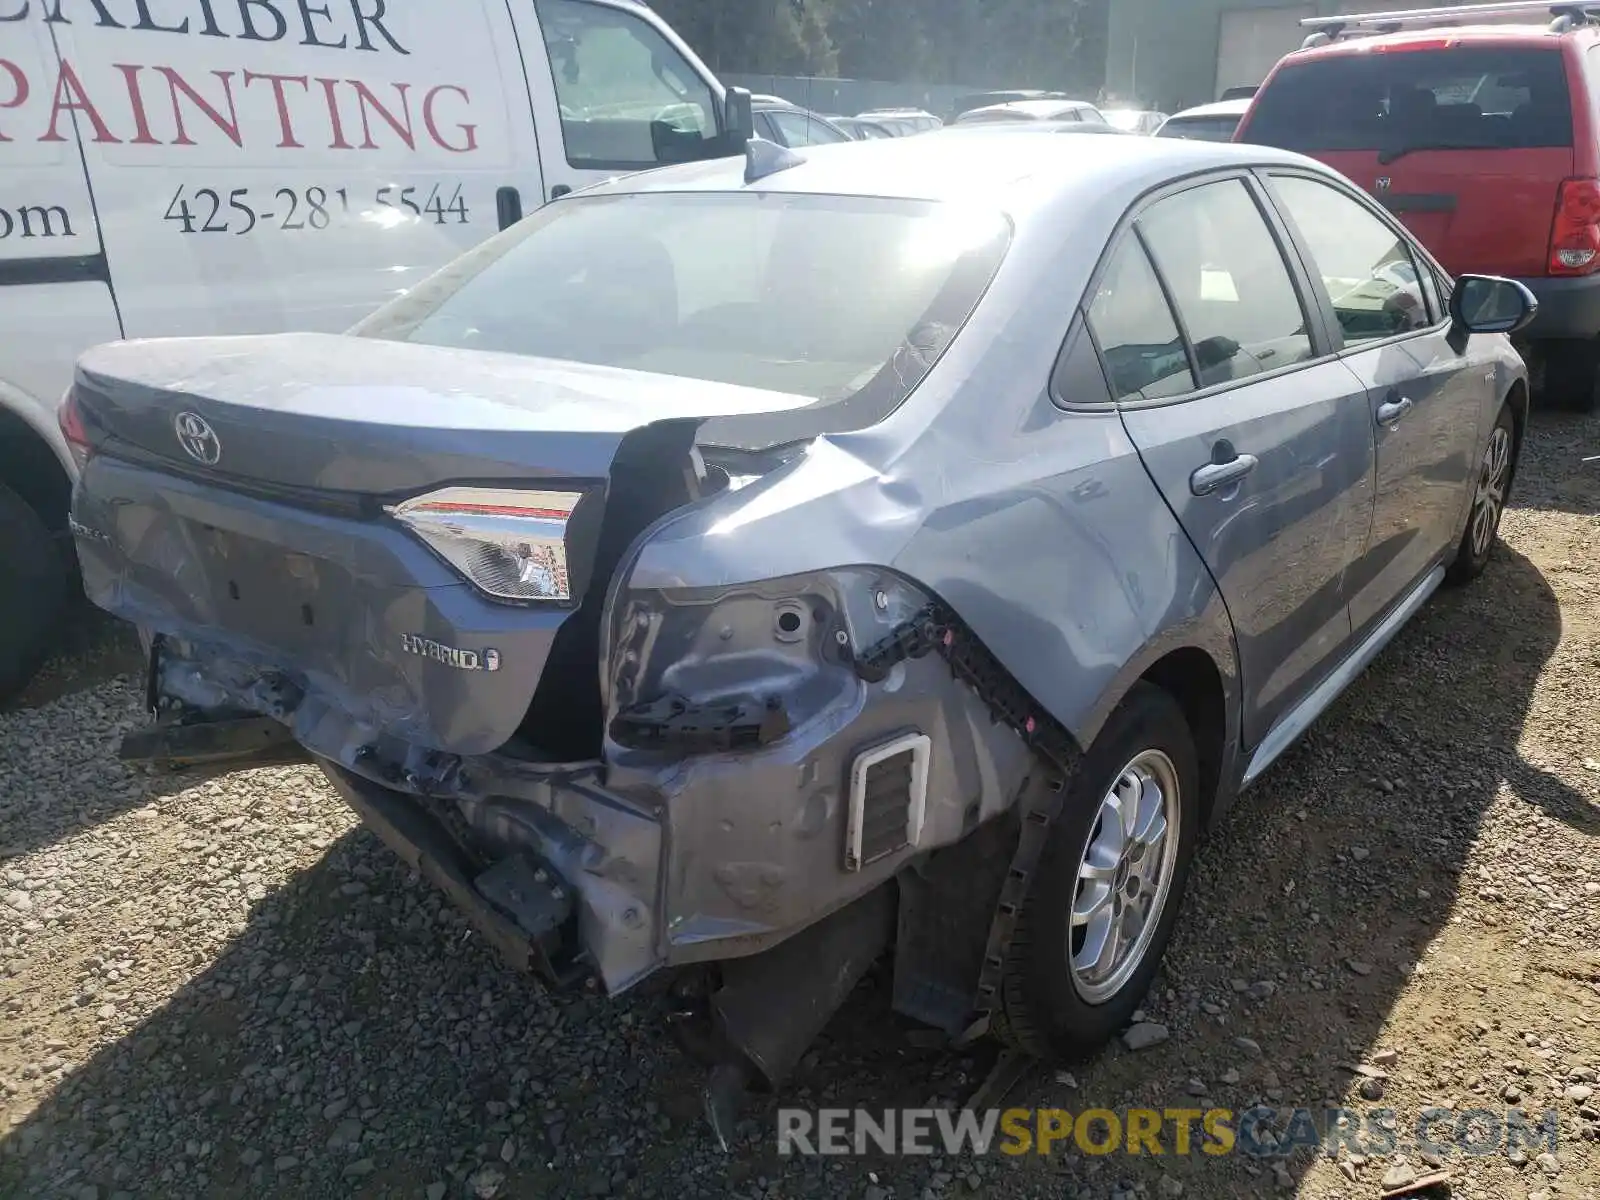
616,90
1467,142
282,165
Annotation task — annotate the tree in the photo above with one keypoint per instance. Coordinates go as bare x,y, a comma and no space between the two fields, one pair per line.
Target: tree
1003,43
769,37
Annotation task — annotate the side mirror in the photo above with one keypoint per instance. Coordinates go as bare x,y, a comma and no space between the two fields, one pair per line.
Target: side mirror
1491,304
507,206
738,121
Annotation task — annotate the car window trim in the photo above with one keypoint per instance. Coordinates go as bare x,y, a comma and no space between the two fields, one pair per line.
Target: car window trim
1178,322
1316,325
1423,260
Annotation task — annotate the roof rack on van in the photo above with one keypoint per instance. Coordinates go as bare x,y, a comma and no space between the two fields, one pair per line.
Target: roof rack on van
1562,17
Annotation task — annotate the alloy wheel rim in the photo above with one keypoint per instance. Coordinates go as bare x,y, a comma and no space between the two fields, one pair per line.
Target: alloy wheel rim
1124,877
1491,498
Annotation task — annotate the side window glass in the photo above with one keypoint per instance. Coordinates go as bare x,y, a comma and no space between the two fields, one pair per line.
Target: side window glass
1138,337
802,129
1228,279
628,98
1369,272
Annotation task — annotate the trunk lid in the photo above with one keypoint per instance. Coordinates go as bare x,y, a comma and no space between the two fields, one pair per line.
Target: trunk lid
239,503
323,413
1480,211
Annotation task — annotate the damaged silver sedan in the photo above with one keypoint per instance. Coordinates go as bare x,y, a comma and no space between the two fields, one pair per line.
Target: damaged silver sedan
750,568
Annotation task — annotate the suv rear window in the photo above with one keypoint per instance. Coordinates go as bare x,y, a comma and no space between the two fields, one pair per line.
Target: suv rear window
1467,98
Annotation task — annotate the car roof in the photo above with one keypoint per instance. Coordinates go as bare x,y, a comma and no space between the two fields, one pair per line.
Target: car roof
1041,108
985,128
1221,108
1012,174
1450,35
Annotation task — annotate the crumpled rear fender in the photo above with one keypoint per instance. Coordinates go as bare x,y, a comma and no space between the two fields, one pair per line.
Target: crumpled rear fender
1048,540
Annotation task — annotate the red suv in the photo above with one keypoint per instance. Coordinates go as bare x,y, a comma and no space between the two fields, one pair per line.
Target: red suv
1482,139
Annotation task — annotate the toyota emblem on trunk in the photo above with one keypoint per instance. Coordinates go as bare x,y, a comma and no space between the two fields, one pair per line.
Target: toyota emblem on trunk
1384,183
198,439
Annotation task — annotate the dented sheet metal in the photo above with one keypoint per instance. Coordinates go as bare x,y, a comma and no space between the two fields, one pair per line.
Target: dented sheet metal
771,591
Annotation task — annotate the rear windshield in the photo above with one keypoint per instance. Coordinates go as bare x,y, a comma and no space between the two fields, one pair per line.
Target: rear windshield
848,301
1467,98
1200,129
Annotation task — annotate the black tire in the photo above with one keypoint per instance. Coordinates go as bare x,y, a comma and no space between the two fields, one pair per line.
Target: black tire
1042,1009
33,592
1475,550
1571,375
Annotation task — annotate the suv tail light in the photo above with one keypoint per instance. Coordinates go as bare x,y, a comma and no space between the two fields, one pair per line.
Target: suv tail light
71,422
1575,235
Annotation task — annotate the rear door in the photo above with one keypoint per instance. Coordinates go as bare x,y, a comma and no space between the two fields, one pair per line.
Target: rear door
1427,396
279,165
55,298
1258,440
1466,142
616,90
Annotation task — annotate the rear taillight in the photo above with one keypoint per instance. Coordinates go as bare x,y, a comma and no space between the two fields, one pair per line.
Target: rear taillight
510,545
71,421
1575,235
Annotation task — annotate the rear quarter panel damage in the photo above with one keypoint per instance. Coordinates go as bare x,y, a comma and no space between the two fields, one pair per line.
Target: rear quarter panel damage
1039,527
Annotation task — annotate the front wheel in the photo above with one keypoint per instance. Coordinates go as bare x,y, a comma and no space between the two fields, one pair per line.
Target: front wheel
1106,895
1492,488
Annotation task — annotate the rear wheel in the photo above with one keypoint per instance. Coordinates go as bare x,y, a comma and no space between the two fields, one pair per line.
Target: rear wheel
1106,894
1571,374
33,592
1488,501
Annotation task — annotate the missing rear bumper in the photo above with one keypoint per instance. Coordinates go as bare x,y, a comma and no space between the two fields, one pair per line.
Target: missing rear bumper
519,904
242,741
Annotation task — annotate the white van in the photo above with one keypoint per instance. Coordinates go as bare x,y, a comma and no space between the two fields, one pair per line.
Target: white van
247,166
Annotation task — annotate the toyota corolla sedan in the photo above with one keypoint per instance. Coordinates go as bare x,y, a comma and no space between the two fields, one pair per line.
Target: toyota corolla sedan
752,568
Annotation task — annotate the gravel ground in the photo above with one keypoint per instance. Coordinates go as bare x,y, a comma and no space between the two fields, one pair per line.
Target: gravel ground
224,987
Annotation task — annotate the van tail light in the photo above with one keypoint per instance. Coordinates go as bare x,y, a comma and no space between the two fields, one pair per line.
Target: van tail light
70,419
510,545
1575,236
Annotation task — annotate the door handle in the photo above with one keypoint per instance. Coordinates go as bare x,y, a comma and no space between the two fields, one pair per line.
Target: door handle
1215,476
559,191
1389,414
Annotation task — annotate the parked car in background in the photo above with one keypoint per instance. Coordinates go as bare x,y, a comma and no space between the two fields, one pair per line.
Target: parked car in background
1206,123
660,579
1134,120
787,124
1033,110
862,130
1241,92
1483,139
903,121
998,128
224,194
986,99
